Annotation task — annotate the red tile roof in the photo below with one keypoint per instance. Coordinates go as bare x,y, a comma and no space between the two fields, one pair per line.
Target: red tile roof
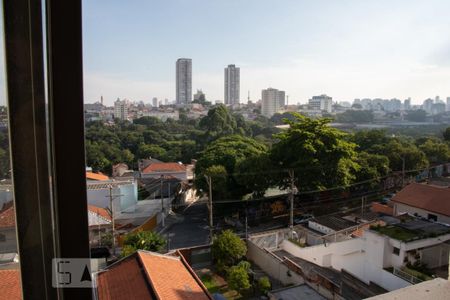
96,176
102,212
124,280
7,218
171,277
427,197
10,285
147,275
165,167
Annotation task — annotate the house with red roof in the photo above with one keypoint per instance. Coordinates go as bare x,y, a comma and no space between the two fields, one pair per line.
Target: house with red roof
161,169
149,275
10,285
427,201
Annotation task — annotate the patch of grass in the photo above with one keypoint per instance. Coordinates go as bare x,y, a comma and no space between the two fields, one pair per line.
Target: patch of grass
396,232
210,283
302,245
416,273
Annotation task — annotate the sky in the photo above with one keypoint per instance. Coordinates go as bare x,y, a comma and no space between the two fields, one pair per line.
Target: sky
347,49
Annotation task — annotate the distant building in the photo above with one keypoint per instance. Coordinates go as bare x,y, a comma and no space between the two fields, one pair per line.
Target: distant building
437,108
232,85
184,81
407,104
322,103
200,96
271,100
156,170
121,109
428,105
155,102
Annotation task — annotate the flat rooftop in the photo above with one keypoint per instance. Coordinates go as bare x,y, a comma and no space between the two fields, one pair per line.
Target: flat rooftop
432,289
299,292
334,222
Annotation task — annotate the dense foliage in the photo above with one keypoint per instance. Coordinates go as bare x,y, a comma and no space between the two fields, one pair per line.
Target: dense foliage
142,240
228,249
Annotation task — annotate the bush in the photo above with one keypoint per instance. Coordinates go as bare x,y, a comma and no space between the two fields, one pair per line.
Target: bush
264,285
227,249
237,277
142,240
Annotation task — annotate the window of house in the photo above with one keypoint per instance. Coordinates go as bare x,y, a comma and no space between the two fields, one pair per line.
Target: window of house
396,251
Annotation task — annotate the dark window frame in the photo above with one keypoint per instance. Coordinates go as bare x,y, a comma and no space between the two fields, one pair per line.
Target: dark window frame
48,169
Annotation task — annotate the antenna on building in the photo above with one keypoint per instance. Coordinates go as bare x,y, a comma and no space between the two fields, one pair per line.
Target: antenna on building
248,97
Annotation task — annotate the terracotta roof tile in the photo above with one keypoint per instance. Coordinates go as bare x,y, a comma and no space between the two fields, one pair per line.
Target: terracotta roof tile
7,218
165,167
427,197
96,176
123,280
170,278
10,285
102,212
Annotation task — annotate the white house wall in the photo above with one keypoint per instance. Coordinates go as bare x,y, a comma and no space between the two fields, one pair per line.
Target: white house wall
403,208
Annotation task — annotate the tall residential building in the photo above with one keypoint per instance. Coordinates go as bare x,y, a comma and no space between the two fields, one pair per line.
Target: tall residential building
448,103
121,109
184,81
232,85
428,105
155,102
271,100
322,103
407,104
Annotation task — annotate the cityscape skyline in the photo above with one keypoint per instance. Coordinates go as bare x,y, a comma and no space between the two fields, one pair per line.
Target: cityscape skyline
346,50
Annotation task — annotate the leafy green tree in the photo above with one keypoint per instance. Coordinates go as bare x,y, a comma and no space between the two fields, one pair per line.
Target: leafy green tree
367,139
255,173
355,116
435,151
146,151
228,152
147,121
238,278
142,240
372,166
228,249
319,154
218,122
446,134
264,284
398,149
416,115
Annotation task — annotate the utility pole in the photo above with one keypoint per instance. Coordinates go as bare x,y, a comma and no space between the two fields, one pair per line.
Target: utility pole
162,203
210,207
363,200
246,221
291,200
403,171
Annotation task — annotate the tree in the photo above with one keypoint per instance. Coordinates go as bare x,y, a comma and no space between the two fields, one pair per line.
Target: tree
416,115
398,150
227,152
355,116
237,277
147,121
227,249
142,240
146,151
264,284
218,122
435,150
446,134
319,154
367,139
372,166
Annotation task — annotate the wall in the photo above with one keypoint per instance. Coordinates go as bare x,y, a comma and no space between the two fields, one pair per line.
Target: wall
320,228
127,199
403,208
10,243
271,265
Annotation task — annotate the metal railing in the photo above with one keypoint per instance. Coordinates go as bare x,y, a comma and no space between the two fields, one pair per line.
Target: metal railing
406,276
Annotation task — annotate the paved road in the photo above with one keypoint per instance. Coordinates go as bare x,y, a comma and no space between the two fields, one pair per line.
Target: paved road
192,230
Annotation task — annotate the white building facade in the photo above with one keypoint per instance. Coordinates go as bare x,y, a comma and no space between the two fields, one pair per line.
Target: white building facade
272,101
121,109
322,103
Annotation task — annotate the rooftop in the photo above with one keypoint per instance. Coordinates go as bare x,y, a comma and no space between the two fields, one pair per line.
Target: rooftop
148,275
164,167
10,285
297,292
334,222
7,217
96,176
428,197
411,229
433,289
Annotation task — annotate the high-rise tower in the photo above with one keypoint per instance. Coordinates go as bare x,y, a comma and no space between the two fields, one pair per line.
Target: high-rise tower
184,81
232,85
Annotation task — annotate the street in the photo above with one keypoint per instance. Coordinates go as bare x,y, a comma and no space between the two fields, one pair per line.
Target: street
192,230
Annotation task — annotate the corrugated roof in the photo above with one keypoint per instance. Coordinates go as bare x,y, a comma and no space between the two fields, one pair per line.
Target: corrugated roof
10,285
431,198
99,211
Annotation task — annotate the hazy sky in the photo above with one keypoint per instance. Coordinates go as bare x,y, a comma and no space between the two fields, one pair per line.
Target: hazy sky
346,49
